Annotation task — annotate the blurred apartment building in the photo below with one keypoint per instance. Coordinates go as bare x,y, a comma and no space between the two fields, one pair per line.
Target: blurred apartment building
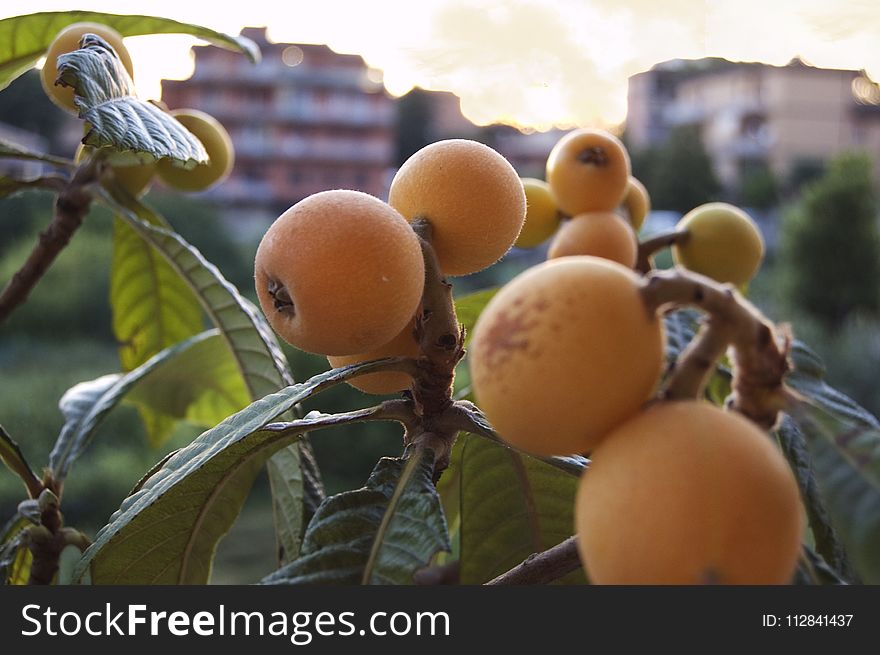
753,114
303,120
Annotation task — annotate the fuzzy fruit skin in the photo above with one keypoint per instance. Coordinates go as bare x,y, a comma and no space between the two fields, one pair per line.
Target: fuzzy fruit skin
686,493
218,144
134,179
403,345
353,269
542,215
472,196
601,234
579,182
564,353
66,41
724,243
636,203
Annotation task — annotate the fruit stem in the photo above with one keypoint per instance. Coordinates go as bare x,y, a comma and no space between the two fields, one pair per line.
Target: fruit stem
653,245
759,349
71,206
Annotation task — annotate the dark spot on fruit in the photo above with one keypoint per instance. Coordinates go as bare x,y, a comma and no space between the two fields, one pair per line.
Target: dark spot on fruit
506,334
594,156
281,297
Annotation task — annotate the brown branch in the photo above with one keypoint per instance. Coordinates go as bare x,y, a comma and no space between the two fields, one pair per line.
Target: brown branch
543,568
759,353
441,347
651,246
71,205
440,337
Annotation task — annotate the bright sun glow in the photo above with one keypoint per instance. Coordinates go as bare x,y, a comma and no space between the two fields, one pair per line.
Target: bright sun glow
534,63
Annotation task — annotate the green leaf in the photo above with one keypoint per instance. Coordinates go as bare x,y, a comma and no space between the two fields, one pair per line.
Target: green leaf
13,458
381,533
469,307
256,352
166,532
24,39
15,558
512,505
201,384
827,542
105,97
85,405
153,308
846,462
413,527
449,488
572,465
808,378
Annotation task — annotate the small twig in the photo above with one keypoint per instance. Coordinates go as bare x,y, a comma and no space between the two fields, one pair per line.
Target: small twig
650,246
759,352
543,568
71,205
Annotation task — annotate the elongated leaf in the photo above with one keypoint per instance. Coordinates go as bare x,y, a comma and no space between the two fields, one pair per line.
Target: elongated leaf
469,307
572,465
13,458
85,405
827,542
413,527
381,533
14,151
808,379
256,352
846,462
105,97
153,307
512,505
24,39
201,384
166,532
15,558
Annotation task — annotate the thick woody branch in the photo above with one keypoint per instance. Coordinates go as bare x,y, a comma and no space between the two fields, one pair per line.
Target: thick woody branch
759,353
71,206
651,246
543,568
440,337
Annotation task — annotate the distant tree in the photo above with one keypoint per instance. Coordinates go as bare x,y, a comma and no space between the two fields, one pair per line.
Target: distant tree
804,171
831,245
24,104
678,174
758,186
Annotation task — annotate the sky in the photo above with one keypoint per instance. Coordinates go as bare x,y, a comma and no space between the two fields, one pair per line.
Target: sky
531,63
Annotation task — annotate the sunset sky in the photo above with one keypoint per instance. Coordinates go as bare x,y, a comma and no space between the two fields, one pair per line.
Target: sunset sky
534,63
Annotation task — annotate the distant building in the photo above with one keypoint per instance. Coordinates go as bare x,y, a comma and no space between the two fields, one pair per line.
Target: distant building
757,114
303,120
526,151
